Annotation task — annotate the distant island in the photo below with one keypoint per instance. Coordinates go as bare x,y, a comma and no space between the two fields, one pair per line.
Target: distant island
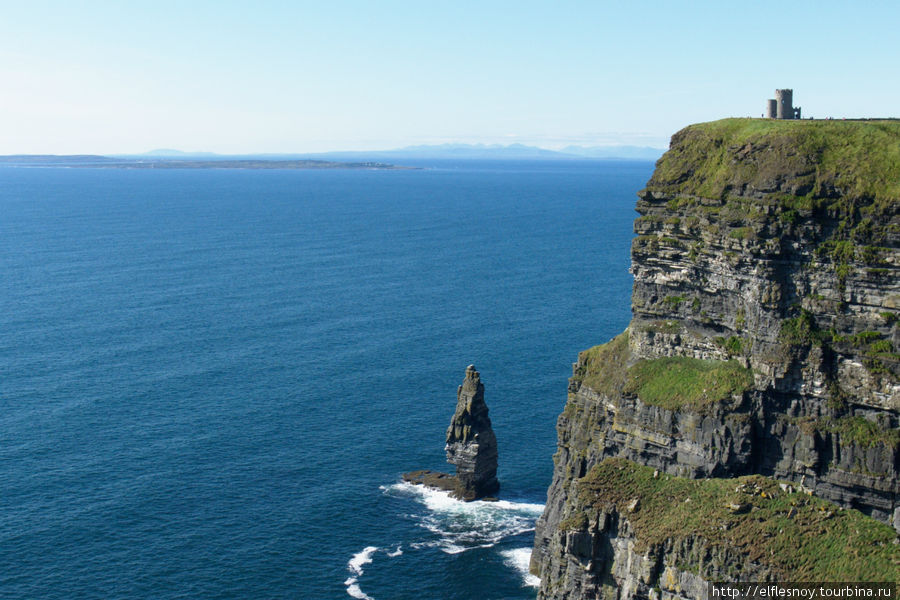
351,159
90,161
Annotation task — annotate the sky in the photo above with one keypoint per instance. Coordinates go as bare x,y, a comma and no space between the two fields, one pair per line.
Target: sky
81,76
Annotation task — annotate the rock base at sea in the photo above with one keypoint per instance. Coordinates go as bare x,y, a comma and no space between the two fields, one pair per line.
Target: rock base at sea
443,481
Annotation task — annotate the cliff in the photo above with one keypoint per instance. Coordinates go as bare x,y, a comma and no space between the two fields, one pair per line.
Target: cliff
763,345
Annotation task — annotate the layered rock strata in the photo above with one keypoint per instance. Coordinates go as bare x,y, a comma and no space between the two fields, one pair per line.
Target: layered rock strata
763,341
471,445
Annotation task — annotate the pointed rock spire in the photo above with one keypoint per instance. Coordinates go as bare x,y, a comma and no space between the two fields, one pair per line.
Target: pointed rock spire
471,444
471,447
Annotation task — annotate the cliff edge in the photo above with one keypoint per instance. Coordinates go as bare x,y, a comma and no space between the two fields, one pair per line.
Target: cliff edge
758,382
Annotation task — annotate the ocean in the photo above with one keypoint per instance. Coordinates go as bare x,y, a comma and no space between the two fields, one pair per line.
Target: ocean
212,380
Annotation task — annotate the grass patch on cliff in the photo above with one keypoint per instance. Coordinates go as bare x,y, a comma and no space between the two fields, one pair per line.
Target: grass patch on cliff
676,382
812,158
659,326
734,345
878,353
861,431
672,302
602,368
800,537
800,331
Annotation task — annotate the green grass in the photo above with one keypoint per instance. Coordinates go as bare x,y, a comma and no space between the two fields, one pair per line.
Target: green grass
680,382
878,353
669,326
874,255
800,537
879,357
864,338
842,251
861,431
742,233
602,368
800,330
673,301
859,158
881,347
734,345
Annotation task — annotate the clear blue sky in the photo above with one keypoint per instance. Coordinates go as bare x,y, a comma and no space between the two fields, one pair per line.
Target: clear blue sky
236,77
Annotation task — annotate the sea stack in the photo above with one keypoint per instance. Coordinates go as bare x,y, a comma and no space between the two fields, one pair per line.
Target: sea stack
471,446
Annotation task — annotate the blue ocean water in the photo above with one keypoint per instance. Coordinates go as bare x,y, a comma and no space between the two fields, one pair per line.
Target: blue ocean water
211,381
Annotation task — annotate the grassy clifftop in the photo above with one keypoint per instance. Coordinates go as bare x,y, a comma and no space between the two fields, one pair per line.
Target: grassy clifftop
784,160
802,538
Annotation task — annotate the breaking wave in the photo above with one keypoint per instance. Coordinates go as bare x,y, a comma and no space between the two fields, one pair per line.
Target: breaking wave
355,566
455,526
460,526
518,559
361,559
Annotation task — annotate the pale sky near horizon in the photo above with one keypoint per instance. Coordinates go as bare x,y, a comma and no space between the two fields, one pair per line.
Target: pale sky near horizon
280,76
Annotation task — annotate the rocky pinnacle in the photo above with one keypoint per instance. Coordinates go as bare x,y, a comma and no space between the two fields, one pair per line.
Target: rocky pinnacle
471,444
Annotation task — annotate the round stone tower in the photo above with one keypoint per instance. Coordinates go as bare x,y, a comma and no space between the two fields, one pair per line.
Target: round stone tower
771,108
784,104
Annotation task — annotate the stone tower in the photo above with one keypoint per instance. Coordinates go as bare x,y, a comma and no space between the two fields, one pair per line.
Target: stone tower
784,100
782,106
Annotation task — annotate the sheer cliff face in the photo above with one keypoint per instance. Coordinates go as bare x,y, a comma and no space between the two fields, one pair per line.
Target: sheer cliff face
764,341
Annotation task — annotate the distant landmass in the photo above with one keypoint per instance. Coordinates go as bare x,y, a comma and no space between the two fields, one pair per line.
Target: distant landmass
168,158
438,152
187,162
54,159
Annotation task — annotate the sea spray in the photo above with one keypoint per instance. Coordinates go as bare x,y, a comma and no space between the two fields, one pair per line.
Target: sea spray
519,559
460,526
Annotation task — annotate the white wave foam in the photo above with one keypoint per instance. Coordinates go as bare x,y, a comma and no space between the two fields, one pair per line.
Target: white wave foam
462,526
355,565
439,500
396,552
354,590
360,559
519,559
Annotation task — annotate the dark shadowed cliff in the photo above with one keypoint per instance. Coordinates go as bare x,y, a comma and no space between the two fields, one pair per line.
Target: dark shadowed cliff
745,425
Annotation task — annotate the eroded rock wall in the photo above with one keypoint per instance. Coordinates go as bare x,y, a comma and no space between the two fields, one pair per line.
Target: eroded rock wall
762,247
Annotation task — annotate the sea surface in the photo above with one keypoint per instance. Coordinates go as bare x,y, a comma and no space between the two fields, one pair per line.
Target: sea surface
211,380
